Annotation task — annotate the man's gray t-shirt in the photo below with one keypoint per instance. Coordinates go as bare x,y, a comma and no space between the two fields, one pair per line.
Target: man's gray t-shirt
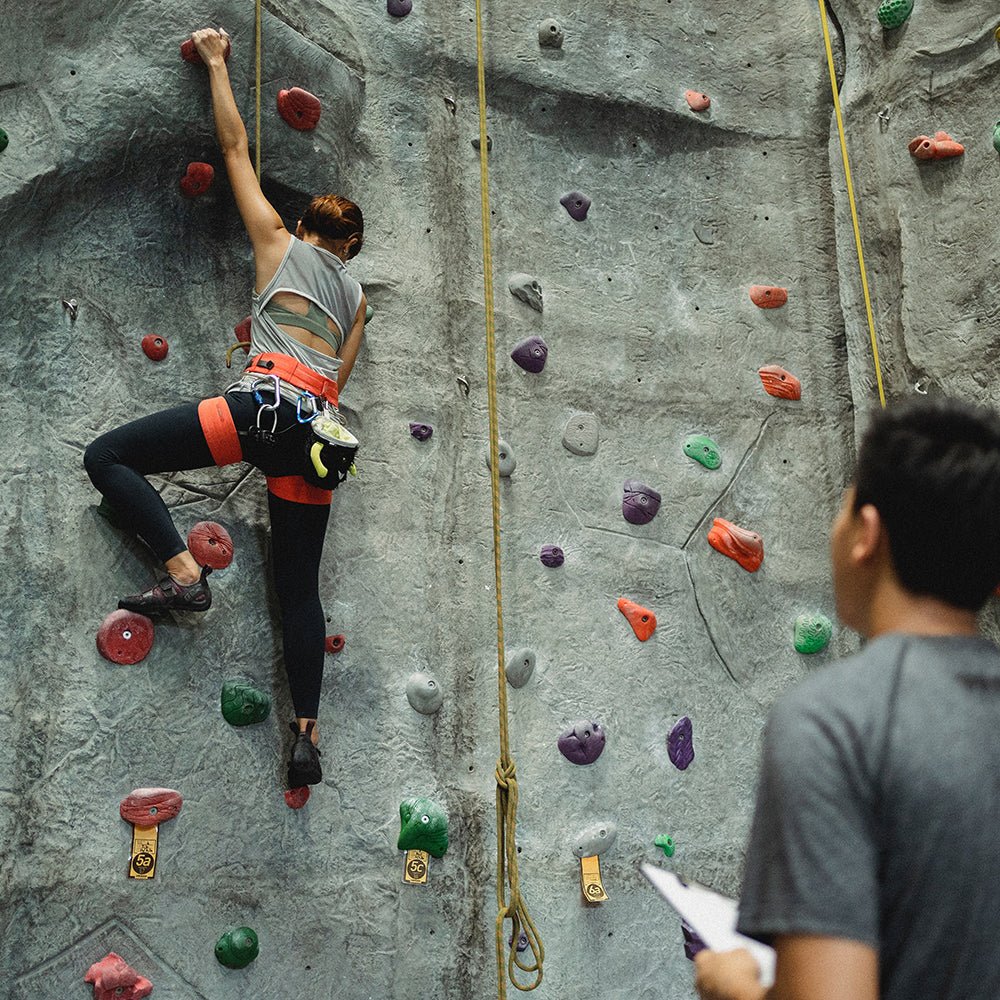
878,814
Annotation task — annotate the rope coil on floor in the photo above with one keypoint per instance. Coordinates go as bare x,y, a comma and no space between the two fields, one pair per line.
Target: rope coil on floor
510,906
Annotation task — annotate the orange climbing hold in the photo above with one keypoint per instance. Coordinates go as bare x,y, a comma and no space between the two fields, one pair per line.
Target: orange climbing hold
299,108
941,147
198,179
697,101
743,546
778,382
768,296
642,620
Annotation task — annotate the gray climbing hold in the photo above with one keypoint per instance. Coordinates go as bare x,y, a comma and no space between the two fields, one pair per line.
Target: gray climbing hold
520,667
705,234
577,204
582,434
489,144
531,354
424,693
507,461
550,35
527,289
595,839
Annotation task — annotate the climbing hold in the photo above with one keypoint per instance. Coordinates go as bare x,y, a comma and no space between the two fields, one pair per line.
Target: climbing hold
369,312
697,101
777,382
299,108
522,941
666,844
399,8
489,143
114,979
642,620
237,948
70,306
704,233
423,826
703,449
550,35
531,354
680,744
296,798
4,140
996,133
424,693
507,461
582,433
692,942
125,637
743,546
552,556
243,704
583,742
335,643
190,54
519,668
150,806
198,179
639,502
210,544
422,432
155,348
595,839
812,633
527,289
768,296
576,204
242,330
941,147
892,13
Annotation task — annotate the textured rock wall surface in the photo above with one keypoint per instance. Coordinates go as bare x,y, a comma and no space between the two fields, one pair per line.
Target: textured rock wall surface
649,327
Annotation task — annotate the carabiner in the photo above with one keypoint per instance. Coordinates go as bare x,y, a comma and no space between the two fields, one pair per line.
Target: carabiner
275,388
314,405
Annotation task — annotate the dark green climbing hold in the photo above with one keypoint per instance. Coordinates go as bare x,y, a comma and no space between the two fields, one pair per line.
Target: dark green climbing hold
666,844
369,312
243,704
423,826
996,137
892,13
3,140
812,633
237,948
703,449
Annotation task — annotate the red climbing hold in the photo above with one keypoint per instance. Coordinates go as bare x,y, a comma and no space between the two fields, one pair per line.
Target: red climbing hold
768,296
745,547
154,347
697,101
296,798
210,544
941,147
242,331
642,620
190,54
150,806
335,643
778,382
299,108
198,179
114,979
125,637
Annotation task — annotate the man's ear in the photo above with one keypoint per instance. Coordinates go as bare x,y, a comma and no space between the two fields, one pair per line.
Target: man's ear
869,534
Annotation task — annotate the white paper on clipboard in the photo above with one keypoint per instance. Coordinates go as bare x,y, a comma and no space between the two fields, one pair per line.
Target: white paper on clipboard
713,917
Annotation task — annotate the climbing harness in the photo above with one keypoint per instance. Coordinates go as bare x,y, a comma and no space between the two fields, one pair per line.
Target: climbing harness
852,200
510,906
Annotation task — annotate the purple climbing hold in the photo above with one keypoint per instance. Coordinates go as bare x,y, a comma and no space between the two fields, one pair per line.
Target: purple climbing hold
639,502
576,204
692,942
421,431
531,354
399,8
680,744
583,742
553,556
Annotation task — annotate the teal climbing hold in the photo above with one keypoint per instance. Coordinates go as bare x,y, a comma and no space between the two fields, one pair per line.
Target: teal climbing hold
237,948
423,826
892,13
812,633
243,704
666,844
703,449
3,140
996,133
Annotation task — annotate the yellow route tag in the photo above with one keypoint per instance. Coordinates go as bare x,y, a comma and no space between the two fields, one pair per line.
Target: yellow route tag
142,864
415,867
590,880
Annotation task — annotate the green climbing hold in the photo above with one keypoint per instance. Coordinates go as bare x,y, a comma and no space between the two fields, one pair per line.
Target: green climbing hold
243,704
423,826
666,844
3,140
703,449
812,633
892,13
996,136
369,312
237,948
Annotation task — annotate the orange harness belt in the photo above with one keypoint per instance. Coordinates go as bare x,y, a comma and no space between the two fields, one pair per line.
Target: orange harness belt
294,373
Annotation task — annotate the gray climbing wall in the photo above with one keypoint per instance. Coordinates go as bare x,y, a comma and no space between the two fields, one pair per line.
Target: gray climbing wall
650,328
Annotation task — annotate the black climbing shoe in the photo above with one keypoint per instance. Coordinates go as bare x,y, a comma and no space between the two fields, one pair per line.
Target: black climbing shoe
168,595
303,767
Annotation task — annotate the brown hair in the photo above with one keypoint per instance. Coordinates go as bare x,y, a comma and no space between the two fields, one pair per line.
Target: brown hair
333,217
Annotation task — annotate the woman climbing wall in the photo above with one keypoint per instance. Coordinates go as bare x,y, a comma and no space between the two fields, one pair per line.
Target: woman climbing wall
307,322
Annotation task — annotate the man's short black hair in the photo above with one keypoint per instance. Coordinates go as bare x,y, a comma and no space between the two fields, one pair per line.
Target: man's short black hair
931,467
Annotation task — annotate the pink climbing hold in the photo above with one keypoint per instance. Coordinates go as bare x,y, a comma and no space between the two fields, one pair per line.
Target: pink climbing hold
777,382
210,544
114,979
742,546
642,620
768,296
125,637
155,348
198,179
299,108
941,147
190,54
150,806
697,101
296,798
335,643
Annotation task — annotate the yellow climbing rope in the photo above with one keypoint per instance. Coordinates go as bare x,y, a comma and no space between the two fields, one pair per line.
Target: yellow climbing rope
257,45
853,201
509,903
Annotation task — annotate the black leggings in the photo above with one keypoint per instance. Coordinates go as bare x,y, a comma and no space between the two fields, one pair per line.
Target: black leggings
172,441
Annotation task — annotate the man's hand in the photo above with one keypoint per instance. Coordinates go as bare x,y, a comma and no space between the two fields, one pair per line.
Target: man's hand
727,975
213,46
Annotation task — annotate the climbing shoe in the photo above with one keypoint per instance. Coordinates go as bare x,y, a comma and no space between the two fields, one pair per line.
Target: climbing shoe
168,595
303,767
